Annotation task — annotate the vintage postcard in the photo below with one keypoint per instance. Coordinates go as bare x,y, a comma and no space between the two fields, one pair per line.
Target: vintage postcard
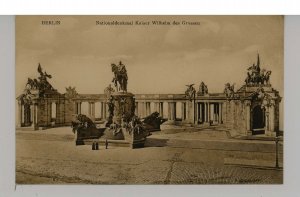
149,99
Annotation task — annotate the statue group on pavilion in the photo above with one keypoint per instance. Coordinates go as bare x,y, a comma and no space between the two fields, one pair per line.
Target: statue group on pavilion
256,75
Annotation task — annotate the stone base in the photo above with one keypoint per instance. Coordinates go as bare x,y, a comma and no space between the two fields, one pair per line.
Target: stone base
113,143
170,122
188,124
110,134
138,143
271,133
28,128
101,142
248,133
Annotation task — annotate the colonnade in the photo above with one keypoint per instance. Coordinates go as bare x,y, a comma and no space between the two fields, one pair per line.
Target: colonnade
142,109
204,110
171,110
165,109
101,112
207,112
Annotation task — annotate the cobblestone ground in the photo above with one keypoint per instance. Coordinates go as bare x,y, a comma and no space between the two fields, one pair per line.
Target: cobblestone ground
51,157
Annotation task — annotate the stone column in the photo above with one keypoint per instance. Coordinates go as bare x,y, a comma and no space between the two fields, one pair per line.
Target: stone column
90,109
248,118
35,111
93,110
19,124
212,112
106,110
205,112
156,107
169,111
190,111
208,112
161,109
140,109
224,112
174,111
220,113
165,109
23,115
136,111
193,112
53,113
74,108
200,112
101,110
267,119
57,112
217,112
79,108
49,112
197,112
148,108
145,109
271,117
183,111
33,116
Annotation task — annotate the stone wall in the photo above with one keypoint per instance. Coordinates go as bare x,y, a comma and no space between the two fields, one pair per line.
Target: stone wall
234,116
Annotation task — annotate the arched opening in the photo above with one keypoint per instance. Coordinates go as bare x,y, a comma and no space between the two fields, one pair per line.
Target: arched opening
258,120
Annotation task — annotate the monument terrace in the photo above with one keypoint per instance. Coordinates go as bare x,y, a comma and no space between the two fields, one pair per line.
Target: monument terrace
252,109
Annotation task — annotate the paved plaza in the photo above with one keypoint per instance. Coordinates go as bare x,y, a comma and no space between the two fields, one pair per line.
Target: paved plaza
171,156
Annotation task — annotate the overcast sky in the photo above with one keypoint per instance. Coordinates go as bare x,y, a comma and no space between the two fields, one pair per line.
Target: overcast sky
159,59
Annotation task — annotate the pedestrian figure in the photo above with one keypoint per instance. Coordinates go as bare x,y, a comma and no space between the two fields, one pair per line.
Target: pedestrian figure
97,146
93,146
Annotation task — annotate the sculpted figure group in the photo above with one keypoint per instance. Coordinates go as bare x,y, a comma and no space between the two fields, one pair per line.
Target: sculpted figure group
256,76
41,83
203,90
229,90
190,92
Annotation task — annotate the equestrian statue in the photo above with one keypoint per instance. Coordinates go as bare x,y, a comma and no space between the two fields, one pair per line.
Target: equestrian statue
120,76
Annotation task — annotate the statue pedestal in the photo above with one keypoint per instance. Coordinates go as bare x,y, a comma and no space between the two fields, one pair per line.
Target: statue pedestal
124,106
119,130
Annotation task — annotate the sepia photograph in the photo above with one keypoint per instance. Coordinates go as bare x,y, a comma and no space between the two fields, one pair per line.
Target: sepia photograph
134,100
